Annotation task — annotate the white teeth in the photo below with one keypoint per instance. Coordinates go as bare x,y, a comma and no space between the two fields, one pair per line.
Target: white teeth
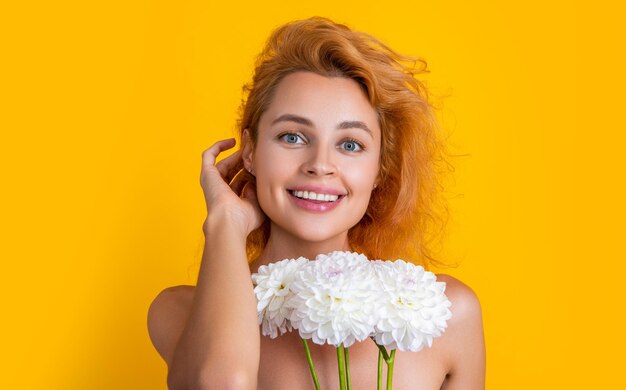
313,196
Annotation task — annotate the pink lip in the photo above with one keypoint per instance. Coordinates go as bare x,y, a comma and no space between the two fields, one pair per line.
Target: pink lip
315,206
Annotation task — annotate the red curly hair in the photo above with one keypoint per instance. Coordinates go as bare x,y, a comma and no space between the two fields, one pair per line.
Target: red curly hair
406,211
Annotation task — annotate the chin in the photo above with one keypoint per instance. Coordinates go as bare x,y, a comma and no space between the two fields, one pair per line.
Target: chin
317,232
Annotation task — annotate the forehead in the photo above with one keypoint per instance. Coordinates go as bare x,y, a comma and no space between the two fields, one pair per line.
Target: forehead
325,101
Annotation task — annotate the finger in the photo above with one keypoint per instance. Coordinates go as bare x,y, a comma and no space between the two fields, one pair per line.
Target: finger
242,178
250,196
230,166
209,155
249,192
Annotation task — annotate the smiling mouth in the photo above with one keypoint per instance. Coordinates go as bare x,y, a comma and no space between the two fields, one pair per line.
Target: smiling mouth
310,195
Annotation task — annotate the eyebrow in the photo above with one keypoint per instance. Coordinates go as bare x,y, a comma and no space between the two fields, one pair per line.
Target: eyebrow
355,125
307,122
293,118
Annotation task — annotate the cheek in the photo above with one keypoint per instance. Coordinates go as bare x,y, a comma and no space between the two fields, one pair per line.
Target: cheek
365,177
271,177
263,186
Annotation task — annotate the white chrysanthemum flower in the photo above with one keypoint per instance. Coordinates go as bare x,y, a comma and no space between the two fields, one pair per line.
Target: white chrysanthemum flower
272,289
413,309
333,299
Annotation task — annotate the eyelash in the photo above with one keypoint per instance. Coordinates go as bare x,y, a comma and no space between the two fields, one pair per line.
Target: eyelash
352,140
283,136
360,146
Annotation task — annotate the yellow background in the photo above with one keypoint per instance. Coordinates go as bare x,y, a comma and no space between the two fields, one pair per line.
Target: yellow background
107,107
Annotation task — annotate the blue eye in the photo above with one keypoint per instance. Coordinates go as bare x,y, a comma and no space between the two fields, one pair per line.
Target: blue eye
291,138
351,146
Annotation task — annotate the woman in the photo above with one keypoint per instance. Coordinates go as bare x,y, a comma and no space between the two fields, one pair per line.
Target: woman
340,151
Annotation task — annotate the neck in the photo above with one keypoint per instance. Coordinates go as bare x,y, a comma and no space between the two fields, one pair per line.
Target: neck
282,245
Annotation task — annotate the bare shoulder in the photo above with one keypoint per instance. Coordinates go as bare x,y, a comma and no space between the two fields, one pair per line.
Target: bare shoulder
465,303
167,317
463,341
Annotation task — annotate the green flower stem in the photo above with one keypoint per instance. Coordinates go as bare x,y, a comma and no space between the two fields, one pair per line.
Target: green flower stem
380,371
342,367
389,359
348,385
311,367
384,353
390,369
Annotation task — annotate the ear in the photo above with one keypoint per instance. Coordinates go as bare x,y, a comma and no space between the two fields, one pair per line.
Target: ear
247,150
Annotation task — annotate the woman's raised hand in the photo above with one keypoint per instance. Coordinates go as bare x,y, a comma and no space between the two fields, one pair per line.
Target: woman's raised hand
222,183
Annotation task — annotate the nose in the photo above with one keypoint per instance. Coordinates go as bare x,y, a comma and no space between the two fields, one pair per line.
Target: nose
319,162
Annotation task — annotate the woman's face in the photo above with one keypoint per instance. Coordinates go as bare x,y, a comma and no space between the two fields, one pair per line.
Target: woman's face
316,160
